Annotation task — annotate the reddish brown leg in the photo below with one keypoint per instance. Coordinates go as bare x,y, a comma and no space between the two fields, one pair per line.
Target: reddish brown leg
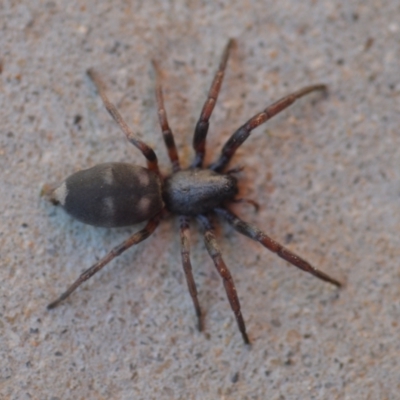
187,267
237,139
116,251
200,133
254,233
162,117
215,253
147,151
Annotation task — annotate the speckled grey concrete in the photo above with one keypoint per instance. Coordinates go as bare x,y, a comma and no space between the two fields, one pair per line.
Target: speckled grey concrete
326,174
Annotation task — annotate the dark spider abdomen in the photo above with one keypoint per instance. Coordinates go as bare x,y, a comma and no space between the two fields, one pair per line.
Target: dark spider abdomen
111,195
198,191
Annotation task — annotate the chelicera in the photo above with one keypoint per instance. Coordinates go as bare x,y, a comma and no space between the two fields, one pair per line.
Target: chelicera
120,194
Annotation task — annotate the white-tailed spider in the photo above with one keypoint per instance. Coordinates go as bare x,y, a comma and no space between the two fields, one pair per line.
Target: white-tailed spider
120,194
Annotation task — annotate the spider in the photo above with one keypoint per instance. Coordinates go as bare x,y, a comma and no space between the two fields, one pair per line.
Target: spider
120,194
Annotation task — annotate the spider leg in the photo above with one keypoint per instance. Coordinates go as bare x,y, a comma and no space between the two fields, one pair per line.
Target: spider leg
238,137
215,253
254,233
162,117
116,251
200,133
147,151
187,267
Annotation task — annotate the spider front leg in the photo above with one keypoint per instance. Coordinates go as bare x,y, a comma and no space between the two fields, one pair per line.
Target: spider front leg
254,233
215,253
238,137
116,251
187,267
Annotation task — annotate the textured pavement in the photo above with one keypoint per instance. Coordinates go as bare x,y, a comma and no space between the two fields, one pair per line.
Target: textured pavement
326,174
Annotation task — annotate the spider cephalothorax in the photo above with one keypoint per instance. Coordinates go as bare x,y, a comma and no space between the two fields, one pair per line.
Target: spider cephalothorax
120,194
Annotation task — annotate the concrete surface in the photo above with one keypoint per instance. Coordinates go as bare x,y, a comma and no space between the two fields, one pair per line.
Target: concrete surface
326,174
